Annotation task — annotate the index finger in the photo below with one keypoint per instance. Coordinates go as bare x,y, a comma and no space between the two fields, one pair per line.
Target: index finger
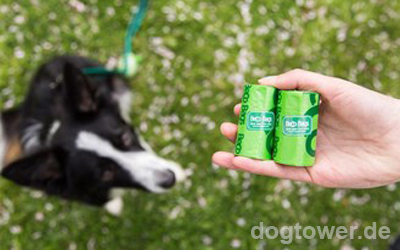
270,168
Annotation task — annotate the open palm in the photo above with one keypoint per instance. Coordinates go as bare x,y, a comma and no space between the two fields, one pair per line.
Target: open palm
357,145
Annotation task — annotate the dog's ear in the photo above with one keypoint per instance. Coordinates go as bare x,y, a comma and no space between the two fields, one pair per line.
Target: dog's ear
43,170
79,91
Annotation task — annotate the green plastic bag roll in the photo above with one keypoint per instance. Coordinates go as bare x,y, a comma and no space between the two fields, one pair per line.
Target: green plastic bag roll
256,122
296,128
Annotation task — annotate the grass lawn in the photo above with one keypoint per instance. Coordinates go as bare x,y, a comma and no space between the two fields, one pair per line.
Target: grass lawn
197,56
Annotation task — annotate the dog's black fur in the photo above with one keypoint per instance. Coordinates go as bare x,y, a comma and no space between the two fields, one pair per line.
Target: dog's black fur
61,96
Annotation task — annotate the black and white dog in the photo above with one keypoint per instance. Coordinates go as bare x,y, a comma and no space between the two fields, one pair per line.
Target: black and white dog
71,137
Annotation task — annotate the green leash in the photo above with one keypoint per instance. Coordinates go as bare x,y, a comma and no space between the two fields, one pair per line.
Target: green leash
129,63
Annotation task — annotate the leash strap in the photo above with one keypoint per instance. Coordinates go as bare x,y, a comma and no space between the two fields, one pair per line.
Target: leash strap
129,60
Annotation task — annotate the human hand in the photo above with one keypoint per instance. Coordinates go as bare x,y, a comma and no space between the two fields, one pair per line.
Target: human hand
358,141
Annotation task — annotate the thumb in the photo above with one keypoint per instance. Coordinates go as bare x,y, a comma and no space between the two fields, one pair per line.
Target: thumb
306,80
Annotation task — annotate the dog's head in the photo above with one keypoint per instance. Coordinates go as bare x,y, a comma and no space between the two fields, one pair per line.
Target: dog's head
93,148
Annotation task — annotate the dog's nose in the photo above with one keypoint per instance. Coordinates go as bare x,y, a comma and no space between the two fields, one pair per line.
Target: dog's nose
167,178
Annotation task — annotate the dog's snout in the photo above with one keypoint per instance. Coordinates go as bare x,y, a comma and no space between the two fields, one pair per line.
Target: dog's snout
166,178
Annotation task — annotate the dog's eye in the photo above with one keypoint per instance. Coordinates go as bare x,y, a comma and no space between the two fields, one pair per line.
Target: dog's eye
123,139
126,139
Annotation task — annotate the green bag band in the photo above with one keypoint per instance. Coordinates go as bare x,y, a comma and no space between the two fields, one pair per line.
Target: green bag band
296,128
256,122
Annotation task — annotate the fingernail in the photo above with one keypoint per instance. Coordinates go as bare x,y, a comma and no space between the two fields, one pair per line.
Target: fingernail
267,79
223,124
